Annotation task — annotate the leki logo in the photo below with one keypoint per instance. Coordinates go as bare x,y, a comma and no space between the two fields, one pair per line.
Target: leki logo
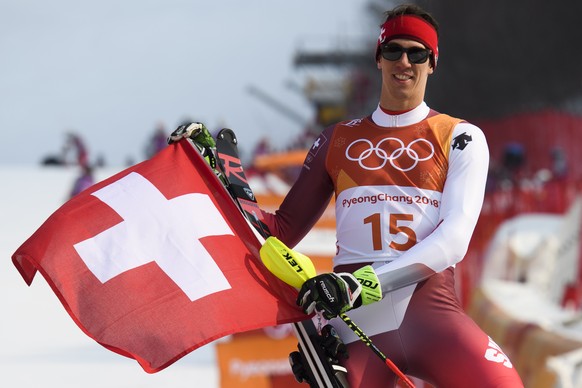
402,157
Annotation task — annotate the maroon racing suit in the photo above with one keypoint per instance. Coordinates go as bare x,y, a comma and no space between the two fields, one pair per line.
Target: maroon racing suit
408,191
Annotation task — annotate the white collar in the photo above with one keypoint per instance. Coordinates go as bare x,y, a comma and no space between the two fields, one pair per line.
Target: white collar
383,119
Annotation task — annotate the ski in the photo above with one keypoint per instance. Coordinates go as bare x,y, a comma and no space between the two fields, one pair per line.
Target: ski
231,166
311,363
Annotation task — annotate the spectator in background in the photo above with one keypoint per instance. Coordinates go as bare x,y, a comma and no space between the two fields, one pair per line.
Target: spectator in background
507,173
74,143
559,163
263,147
514,156
85,180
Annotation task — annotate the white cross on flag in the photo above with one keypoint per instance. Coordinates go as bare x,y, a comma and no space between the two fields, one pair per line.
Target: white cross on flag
157,261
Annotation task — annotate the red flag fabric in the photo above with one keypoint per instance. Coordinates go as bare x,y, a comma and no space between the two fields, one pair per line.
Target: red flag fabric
157,261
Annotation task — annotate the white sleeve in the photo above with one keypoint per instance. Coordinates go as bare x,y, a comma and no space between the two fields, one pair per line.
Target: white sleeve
461,204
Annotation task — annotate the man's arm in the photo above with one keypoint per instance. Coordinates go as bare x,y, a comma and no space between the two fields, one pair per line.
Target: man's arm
307,199
461,204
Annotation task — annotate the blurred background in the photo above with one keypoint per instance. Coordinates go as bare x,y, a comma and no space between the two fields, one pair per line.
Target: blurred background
112,72
88,88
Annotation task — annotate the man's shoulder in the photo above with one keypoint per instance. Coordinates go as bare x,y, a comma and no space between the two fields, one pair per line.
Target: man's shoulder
455,123
353,122
442,122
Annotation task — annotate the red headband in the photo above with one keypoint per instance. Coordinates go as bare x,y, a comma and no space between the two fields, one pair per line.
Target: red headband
410,27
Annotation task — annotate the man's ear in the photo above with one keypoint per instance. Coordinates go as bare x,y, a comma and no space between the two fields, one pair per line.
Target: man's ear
379,65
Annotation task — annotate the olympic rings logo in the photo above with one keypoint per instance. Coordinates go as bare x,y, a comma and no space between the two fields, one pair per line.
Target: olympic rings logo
399,153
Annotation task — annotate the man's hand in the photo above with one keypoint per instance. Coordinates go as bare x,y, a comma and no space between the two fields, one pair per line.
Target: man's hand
197,132
332,294
200,137
204,143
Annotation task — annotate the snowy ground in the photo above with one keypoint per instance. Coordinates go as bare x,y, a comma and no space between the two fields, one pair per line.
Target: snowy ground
40,345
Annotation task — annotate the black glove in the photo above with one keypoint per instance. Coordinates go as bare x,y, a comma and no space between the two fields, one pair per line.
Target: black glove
332,294
329,293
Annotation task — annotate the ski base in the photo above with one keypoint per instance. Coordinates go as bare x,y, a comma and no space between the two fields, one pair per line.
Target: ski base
314,362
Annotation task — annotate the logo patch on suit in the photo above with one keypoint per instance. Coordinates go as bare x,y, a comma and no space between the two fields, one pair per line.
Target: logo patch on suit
461,141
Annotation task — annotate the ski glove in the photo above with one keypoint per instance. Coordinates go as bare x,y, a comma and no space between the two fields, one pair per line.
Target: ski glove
197,132
332,294
204,143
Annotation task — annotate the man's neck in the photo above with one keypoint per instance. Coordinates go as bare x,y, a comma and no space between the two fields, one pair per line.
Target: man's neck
394,112
413,116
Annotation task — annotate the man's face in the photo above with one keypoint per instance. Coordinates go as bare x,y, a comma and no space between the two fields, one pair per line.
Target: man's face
403,82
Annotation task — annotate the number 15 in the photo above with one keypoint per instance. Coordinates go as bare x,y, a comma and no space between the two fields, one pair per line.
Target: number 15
395,228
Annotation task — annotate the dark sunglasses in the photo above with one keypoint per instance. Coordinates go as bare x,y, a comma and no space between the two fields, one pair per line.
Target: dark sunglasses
416,55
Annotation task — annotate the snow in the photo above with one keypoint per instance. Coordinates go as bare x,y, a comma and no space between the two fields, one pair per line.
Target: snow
41,345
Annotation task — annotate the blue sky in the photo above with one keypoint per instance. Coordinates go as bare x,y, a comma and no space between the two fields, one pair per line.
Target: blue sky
110,70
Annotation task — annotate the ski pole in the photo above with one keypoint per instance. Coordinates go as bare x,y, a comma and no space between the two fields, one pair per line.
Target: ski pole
366,340
294,269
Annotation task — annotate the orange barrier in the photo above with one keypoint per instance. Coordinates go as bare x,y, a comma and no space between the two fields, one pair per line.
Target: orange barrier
256,360
278,161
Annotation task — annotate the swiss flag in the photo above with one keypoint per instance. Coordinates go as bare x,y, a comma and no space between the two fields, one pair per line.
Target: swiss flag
157,261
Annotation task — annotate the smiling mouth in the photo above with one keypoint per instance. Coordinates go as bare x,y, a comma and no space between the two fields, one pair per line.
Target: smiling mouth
402,77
